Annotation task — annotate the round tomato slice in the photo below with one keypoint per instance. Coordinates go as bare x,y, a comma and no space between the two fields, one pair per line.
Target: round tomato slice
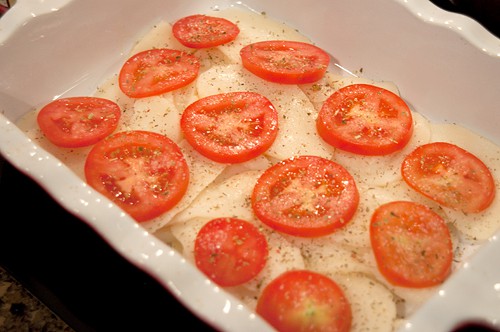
230,251
144,173
449,175
301,300
411,243
156,71
288,62
202,31
366,120
232,127
306,196
78,121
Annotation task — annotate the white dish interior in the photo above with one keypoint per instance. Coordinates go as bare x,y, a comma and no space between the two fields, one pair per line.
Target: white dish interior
446,65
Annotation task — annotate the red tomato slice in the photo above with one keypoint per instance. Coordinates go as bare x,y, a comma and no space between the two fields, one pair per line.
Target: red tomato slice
305,196
365,119
301,300
156,71
78,121
143,172
450,176
287,62
411,243
230,251
232,127
202,31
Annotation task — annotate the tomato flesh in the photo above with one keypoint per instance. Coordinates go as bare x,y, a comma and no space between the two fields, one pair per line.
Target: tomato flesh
78,121
230,251
305,196
411,243
156,71
301,300
143,172
366,120
287,62
203,31
451,176
232,127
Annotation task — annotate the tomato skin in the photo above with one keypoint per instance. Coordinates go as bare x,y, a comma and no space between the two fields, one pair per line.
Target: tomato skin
449,175
411,243
305,196
365,119
231,127
230,251
78,121
157,71
286,62
144,173
301,300
203,31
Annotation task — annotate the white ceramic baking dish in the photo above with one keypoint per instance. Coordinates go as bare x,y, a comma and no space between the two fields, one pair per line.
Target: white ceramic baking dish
447,65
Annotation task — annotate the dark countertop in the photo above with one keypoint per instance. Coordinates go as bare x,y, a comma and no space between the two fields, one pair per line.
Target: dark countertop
73,271
22,311
20,306
43,289
486,12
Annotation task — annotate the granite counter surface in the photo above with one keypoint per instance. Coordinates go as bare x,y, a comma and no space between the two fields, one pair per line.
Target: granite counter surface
21,311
